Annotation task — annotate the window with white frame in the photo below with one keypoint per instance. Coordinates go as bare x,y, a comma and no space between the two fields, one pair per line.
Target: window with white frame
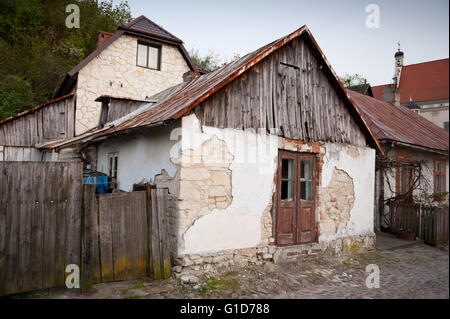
148,56
113,160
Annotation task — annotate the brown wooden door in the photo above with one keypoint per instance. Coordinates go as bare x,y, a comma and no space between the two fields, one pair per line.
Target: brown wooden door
296,198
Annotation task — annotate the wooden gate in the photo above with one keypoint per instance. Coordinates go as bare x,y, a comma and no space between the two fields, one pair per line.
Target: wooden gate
40,218
125,236
47,222
429,223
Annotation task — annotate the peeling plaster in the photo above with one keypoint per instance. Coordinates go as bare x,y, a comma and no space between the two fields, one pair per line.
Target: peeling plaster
253,168
361,170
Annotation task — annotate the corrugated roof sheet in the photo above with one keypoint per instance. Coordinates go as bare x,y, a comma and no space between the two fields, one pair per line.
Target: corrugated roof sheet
398,123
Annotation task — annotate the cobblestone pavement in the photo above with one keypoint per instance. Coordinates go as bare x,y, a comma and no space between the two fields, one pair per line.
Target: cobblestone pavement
417,271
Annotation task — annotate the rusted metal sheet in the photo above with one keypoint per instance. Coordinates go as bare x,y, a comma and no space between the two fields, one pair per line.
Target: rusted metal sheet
181,99
398,123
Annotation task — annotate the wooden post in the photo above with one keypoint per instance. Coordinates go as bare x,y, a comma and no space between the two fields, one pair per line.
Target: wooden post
160,246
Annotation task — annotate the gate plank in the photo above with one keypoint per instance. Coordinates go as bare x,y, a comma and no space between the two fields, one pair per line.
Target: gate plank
106,238
162,197
155,258
90,249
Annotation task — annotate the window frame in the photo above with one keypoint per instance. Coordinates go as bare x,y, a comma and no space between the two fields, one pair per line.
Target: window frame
111,170
440,173
402,172
153,45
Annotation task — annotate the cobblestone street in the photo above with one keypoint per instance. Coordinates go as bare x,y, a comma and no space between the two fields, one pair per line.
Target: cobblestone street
417,271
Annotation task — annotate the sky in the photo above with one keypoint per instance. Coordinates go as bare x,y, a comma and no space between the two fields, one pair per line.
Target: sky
227,27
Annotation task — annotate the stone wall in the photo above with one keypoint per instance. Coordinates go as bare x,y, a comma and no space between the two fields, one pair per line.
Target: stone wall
114,72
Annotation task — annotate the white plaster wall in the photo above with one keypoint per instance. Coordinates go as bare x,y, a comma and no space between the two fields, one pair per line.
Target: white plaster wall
141,156
253,183
361,170
253,168
114,72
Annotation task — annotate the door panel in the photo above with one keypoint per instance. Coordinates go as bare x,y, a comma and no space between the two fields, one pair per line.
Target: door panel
307,193
296,193
286,199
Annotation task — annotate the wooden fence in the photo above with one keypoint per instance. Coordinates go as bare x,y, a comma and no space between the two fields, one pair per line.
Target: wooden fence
429,223
40,218
47,221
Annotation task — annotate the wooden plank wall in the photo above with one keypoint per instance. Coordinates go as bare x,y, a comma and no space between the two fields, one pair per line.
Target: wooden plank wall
125,236
288,91
14,153
40,220
120,108
51,122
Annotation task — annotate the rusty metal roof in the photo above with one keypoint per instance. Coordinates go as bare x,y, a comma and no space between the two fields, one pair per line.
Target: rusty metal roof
185,96
398,123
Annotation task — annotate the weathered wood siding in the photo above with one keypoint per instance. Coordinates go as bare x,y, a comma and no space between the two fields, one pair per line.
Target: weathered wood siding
40,220
14,153
52,122
288,91
120,108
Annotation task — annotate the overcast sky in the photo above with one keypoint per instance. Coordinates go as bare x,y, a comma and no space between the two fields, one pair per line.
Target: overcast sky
339,27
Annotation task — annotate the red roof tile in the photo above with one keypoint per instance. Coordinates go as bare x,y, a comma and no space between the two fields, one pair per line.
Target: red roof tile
398,123
426,81
378,91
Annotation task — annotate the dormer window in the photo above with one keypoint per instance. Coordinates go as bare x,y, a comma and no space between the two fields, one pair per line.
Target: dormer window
148,56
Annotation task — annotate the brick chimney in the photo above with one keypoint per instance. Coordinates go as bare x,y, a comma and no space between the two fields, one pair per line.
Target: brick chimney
190,75
102,37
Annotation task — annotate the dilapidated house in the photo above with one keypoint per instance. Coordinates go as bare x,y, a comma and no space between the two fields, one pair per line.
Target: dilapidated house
415,167
265,158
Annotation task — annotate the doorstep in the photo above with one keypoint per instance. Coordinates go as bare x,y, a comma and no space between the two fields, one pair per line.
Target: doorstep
292,253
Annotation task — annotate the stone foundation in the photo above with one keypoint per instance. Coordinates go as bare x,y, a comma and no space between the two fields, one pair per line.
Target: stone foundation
271,253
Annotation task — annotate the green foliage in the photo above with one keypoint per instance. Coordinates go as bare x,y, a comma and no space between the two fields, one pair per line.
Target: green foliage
211,61
349,80
37,49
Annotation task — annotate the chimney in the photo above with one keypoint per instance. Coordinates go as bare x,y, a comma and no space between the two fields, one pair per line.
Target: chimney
102,37
190,75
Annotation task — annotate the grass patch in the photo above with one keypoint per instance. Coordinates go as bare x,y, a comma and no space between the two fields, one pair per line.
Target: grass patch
138,286
212,285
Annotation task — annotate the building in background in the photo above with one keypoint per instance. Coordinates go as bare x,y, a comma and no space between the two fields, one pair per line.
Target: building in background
422,87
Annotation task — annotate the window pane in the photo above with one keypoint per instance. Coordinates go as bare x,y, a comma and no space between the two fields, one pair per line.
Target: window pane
115,166
153,57
305,190
306,169
442,183
287,168
401,189
110,166
286,190
142,55
437,186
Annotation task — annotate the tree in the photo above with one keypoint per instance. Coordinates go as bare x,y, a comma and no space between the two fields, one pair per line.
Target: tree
37,49
350,80
212,60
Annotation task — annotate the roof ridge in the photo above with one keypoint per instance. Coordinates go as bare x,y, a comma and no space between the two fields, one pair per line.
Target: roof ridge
425,62
142,17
